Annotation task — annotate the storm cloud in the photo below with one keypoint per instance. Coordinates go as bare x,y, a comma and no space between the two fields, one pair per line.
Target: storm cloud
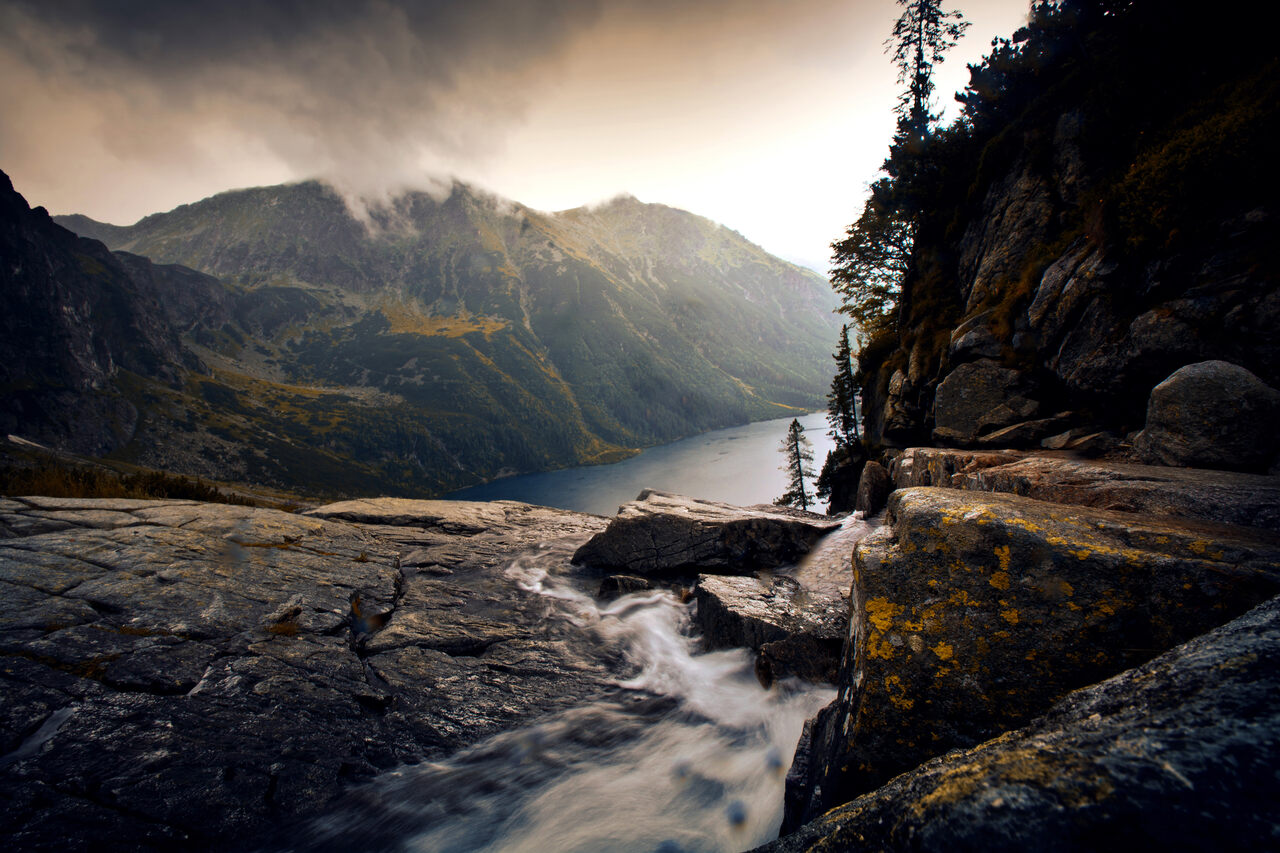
767,115
335,87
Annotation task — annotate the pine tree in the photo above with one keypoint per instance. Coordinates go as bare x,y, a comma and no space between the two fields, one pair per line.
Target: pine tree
921,37
799,453
842,410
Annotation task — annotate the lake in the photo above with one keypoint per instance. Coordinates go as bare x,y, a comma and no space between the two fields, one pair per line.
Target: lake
738,465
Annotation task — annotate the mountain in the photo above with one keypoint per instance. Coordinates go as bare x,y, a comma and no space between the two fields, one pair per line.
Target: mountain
436,343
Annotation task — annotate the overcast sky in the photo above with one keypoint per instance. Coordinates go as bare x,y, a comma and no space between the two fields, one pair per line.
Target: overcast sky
770,116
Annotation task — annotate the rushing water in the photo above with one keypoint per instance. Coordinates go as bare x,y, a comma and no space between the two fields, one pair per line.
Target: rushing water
689,754
738,465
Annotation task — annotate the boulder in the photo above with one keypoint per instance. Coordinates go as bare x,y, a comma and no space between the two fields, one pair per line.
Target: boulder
873,489
660,533
1212,414
187,675
1216,496
795,630
1179,754
972,613
980,397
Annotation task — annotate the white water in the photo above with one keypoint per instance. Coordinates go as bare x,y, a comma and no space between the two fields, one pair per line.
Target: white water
690,757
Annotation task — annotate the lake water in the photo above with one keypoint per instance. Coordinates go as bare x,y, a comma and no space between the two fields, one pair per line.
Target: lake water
739,465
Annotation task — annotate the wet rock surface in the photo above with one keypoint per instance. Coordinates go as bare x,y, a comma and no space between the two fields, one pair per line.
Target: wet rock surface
975,612
178,674
1179,753
660,533
1199,494
796,631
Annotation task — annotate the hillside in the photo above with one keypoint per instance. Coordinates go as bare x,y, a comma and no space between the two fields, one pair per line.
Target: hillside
1085,232
444,342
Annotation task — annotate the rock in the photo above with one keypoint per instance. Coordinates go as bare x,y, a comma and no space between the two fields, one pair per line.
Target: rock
974,339
1179,753
1212,414
1024,434
979,397
796,631
614,586
179,674
873,489
1204,495
1094,443
975,612
660,533
930,466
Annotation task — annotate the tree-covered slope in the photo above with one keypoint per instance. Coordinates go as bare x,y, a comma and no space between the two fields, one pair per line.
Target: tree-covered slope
441,342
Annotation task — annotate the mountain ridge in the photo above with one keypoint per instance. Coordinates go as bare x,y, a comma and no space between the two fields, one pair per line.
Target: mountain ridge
464,338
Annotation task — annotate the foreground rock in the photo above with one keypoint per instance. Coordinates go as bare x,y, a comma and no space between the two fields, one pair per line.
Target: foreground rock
1178,754
1200,494
973,612
660,533
186,675
1212,414
795,631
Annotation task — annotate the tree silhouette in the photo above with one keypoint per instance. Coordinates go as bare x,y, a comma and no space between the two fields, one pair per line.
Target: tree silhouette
842,410
921,37
799,465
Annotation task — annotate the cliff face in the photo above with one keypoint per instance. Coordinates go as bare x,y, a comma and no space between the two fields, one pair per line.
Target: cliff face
75,316
1103,236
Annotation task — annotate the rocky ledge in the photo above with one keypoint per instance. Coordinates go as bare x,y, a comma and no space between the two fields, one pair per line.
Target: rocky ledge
1192,493
1179,754
795,631
178,674
664,534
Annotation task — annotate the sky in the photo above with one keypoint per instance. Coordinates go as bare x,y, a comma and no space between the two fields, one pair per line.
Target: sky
769,116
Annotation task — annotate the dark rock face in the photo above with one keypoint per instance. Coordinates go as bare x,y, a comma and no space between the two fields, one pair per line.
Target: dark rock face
978,398
1179,753
796,631
178,674
74,318
1215,496
974,612
660,533
1212,415
873,489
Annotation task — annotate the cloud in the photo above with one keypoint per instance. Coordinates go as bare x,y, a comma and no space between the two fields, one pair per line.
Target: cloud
371,92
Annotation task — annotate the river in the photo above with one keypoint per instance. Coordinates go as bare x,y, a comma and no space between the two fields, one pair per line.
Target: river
687,755
738,465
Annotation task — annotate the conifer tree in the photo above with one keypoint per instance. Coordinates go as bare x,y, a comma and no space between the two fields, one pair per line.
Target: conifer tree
799,465
921,37
842,410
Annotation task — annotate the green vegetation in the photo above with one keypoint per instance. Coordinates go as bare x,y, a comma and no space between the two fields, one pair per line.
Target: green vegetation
56,479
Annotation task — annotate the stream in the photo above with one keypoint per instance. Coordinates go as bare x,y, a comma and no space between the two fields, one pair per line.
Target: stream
687,755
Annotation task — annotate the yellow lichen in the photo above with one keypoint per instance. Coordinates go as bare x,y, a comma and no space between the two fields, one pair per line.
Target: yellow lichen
1010,616
944,651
